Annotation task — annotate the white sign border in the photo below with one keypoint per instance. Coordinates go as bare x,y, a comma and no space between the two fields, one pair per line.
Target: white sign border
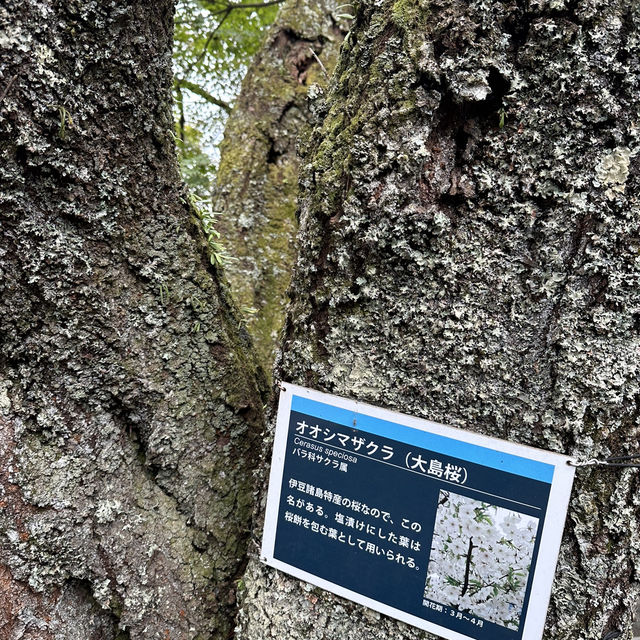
550,537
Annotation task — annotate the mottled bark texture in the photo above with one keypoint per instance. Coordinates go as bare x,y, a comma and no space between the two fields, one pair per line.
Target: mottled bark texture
469,253
129,408
257,179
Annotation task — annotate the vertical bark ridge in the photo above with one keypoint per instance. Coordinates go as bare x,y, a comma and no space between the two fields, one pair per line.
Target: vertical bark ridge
130,404
469,253
256,190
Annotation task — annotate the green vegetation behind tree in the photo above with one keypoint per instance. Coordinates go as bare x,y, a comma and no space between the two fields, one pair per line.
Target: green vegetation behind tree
214,43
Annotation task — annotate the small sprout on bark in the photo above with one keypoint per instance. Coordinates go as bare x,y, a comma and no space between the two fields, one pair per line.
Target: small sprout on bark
164,293
345,16
217,253
65,120
197,304
324,69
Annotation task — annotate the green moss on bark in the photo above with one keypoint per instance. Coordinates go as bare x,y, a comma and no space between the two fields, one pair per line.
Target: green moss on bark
257,178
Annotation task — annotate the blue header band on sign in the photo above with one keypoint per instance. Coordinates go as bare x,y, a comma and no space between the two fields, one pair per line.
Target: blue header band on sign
431,441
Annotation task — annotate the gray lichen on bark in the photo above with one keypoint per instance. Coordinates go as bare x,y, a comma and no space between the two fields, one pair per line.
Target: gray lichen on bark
130,406
256,184
469,253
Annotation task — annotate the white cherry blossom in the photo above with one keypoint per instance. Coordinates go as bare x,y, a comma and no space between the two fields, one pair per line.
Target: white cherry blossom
480,558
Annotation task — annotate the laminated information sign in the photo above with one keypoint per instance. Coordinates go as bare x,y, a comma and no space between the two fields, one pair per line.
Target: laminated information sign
445,529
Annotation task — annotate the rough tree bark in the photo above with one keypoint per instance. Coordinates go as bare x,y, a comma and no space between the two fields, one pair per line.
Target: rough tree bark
256,184
469,253
129,403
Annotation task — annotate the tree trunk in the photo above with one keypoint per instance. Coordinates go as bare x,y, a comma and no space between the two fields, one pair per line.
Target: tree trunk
130,410
469,253
257,179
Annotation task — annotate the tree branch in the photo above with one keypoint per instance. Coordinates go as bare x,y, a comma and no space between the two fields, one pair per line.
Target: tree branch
246,5
467,570
203,53
226,11
181,83
181,122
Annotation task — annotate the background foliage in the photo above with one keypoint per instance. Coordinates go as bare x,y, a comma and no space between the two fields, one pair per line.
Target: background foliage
214,42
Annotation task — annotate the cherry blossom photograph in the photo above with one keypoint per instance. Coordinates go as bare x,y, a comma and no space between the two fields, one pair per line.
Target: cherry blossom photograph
480,558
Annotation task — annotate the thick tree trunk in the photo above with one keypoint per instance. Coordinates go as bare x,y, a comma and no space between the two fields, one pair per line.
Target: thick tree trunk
129,407
469,253
257,179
